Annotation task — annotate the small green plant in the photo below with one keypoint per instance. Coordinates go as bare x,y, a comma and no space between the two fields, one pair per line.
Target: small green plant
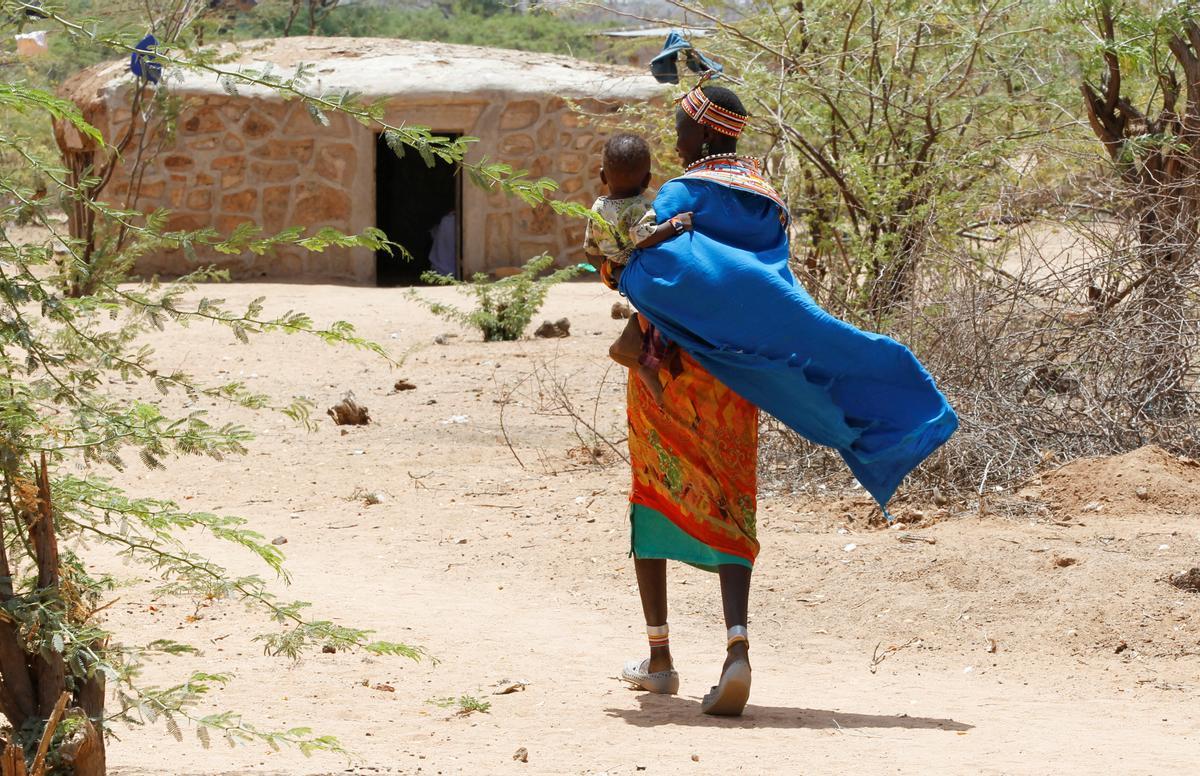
467,704
503,308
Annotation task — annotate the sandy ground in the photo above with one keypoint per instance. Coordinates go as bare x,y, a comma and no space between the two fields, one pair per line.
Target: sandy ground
1016,660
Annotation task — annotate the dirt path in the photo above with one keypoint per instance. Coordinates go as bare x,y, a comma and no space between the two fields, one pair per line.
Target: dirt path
518,571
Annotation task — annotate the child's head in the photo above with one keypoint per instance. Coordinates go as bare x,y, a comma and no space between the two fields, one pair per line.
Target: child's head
625,165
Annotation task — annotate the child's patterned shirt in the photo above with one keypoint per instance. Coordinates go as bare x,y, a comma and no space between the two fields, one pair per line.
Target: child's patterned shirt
627,222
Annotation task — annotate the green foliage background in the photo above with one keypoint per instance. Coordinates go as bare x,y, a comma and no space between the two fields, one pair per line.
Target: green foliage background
474,22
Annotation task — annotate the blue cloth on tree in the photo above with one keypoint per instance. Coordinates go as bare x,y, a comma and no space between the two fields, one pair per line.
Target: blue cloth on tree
143,63
665,66
725,294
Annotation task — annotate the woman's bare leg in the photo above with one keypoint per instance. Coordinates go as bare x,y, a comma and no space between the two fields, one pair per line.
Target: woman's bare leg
652,585
735,600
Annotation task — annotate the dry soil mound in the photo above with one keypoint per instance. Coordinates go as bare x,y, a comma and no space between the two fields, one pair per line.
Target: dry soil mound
1147,480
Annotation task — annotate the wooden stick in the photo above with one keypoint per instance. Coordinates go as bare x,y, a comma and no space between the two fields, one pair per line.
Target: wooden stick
39,762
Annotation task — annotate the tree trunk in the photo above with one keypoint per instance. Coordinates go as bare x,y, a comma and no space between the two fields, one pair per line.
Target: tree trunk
83,751
12,762
33,692
287,27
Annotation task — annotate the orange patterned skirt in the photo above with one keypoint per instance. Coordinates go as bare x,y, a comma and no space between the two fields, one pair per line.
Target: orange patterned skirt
695,458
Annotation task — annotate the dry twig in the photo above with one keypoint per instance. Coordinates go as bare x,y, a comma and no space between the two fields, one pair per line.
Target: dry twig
878,657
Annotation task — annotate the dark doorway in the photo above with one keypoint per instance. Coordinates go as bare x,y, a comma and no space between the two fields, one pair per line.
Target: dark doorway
416,204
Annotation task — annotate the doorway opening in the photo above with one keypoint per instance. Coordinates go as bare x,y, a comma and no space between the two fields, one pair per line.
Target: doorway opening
419,207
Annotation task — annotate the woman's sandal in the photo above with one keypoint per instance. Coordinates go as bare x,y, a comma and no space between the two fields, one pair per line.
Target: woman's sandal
639,675
729,697
662,682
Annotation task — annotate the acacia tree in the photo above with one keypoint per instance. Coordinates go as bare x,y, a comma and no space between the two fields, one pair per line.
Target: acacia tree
1145,111
60,343
57,411
889,127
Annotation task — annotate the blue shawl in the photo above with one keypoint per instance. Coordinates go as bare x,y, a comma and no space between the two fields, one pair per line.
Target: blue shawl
725,294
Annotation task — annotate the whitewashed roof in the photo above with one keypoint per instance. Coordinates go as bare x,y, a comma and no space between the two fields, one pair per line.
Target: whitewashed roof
383,67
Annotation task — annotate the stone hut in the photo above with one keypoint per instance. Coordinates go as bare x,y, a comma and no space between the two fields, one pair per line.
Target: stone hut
252,156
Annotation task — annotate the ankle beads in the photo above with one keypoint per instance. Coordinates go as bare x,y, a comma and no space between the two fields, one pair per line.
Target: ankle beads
737,633
658,635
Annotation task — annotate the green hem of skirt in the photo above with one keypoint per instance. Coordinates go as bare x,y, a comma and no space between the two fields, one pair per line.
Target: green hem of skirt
653,535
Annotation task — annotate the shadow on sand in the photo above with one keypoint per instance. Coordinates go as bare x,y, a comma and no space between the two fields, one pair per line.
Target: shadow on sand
673,710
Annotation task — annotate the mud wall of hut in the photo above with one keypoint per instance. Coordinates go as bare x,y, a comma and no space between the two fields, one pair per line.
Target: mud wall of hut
246,159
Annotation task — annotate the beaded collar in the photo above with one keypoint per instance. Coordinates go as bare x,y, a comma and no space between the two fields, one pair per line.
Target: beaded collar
737,172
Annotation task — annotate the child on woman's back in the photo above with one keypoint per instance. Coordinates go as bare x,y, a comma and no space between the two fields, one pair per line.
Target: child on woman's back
630,223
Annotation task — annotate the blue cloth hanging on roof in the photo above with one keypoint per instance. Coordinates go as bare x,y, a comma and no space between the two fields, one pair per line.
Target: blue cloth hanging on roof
665,66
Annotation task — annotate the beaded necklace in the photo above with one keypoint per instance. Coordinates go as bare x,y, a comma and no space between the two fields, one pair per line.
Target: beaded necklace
740,172
711,158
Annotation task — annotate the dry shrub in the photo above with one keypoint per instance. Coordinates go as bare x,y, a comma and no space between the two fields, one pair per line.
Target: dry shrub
1051,341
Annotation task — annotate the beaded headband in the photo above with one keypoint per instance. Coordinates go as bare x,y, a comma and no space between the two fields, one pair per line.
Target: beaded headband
702,110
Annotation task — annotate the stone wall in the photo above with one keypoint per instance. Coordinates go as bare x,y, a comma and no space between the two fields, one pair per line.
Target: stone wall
236,160
247,159
549,139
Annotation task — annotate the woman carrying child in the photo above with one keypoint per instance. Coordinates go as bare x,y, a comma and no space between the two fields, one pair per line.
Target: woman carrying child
706,266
